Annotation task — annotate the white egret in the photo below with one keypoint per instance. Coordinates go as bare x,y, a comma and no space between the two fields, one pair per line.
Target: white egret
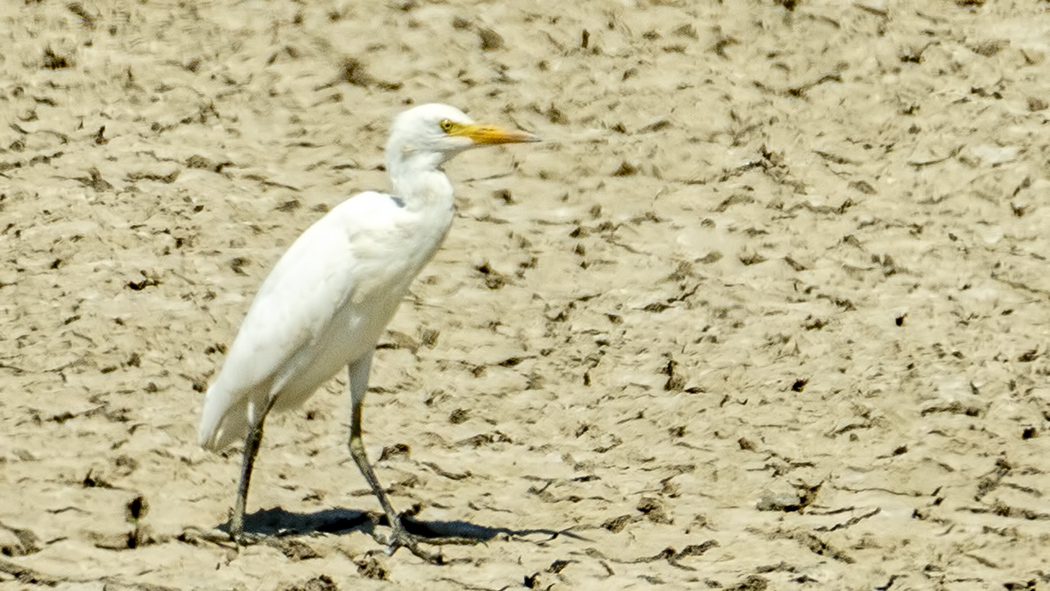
329,298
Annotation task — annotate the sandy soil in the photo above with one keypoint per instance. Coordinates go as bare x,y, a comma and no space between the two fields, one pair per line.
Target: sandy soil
767,309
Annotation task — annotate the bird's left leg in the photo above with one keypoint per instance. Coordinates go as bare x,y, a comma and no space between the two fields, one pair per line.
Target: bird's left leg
251,449
399,537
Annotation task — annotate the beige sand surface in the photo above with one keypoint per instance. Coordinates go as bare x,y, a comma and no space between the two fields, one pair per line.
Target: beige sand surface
769,307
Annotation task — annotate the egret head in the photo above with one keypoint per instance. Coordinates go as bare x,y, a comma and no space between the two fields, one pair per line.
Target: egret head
438,132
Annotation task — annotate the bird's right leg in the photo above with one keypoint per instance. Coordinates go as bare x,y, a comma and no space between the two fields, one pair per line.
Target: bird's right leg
399,537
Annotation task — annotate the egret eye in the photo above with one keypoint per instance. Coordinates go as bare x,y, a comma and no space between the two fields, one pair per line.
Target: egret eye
446,125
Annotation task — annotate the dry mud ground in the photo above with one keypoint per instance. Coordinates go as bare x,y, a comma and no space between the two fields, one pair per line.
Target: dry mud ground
767,309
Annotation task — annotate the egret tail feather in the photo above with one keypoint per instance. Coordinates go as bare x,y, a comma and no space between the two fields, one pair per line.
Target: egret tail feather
222,427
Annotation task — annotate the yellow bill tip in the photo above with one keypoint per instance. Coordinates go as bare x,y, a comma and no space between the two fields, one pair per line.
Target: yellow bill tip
494,134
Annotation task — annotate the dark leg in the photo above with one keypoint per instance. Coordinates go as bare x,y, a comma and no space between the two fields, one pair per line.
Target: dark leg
251,449
398,537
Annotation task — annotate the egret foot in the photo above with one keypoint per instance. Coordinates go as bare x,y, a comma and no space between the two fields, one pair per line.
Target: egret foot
244,539
220,537
400,538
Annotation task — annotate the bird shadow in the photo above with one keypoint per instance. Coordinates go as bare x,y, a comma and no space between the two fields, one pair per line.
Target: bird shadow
279,522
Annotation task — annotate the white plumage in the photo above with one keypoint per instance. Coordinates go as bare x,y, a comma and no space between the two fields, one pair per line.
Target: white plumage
325,303
329,298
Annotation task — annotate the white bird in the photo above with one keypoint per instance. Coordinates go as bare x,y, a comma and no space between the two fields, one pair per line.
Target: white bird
329,298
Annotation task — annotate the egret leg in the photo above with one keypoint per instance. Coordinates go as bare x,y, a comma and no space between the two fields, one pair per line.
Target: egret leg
251,449
399,537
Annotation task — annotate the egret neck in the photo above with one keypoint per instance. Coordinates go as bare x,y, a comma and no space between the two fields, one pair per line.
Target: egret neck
417,176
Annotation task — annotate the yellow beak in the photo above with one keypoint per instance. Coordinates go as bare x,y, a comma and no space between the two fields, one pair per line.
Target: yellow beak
494,134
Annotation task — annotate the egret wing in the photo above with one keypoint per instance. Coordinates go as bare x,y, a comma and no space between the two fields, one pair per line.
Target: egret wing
294,307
